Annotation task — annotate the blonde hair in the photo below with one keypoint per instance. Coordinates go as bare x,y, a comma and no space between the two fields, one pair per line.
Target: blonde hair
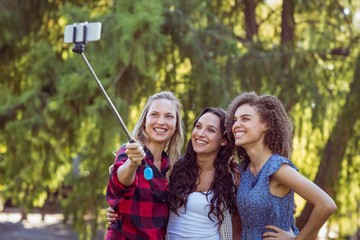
173,146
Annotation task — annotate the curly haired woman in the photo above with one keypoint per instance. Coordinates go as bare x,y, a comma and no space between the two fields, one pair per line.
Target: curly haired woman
261,133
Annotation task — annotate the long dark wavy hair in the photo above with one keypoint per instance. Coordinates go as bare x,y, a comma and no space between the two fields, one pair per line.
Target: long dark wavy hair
223,187
279,133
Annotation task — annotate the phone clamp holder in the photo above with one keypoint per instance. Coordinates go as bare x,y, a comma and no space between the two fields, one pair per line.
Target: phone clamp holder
79,47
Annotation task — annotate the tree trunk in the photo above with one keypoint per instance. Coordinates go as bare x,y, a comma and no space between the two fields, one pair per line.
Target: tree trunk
250,19
333,155
288,23
287,52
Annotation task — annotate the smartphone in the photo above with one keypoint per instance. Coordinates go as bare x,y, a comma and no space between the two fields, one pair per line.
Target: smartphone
93,32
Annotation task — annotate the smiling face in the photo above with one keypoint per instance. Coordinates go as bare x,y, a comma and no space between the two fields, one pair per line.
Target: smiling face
248,129
206,136
160,123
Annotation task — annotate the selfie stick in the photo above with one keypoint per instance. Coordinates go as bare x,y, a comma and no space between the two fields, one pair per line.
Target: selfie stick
79,48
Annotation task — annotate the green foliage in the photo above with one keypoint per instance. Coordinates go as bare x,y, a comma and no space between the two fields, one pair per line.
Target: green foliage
350,195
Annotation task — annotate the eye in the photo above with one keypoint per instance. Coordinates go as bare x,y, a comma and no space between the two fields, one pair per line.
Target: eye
197,126
154,114
212,130
170,116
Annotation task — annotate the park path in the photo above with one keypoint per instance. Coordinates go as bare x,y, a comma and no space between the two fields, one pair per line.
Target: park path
33,228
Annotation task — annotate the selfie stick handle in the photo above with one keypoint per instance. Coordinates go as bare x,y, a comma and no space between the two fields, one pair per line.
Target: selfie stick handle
79,48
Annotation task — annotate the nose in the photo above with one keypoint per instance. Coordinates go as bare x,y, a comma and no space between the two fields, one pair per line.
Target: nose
236,124
201,132
161,120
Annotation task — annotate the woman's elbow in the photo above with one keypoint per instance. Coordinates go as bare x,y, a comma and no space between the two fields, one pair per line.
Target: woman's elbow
330,207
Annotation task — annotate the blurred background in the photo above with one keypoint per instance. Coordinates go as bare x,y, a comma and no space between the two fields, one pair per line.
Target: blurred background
57,132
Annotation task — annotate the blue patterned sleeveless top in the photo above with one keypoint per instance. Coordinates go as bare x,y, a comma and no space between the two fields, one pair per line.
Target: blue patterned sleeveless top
258,207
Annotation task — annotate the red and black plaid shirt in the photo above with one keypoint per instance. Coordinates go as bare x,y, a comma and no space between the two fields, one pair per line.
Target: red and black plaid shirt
141,207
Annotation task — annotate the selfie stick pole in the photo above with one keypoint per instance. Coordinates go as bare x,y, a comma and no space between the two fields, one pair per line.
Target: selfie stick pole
79,48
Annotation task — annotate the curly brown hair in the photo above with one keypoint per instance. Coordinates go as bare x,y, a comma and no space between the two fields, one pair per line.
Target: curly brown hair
186,172
279,133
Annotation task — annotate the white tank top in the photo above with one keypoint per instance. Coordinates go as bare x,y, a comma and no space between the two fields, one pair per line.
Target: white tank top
195,223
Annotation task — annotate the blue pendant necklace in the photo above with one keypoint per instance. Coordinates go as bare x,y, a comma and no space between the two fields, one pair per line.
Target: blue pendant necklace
148,172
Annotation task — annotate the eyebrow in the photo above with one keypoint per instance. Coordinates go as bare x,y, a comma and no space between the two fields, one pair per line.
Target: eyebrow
244,115
154,111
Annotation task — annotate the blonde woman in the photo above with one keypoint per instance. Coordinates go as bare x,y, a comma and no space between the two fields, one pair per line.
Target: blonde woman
137,197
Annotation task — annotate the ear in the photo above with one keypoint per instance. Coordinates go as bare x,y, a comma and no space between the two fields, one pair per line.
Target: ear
265,127
223,142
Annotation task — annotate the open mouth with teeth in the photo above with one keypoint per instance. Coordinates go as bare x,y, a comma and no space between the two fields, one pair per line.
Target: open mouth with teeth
160,130
239,134
200,142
